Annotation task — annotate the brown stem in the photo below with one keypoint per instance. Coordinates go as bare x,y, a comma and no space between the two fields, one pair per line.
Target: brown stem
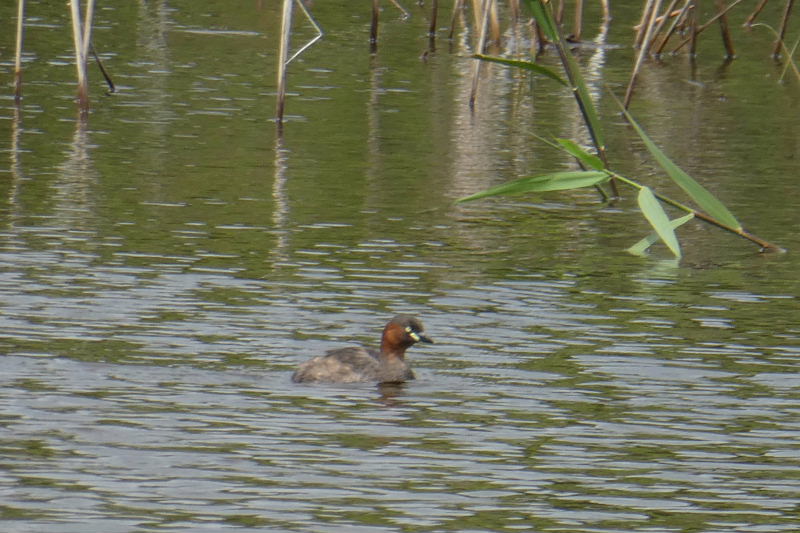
726,34
706,25
679,19
755,13
784,24
765,245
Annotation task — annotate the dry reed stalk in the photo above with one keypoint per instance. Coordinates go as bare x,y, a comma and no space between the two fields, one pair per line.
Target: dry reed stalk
643,50
283,56
578,21
494,19
693,31
727,40
476,69
559,15
404,11
678,19
458,6
491,19
18,53
538,39
78,33
606,6
434,16
87,29
776,51
373,27
661,22
515,11
752,18
641,28
477,9
283,52
702,27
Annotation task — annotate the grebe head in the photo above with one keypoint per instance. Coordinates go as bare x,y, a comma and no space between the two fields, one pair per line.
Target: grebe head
401,332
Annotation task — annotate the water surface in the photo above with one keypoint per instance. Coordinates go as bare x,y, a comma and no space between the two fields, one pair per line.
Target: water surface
165,266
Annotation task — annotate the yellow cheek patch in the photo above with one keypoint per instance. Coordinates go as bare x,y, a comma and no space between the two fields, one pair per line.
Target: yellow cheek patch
412,334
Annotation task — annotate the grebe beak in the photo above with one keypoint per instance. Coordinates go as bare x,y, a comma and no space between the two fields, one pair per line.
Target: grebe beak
418,336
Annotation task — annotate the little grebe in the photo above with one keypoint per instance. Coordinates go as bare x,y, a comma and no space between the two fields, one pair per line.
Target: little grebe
347,365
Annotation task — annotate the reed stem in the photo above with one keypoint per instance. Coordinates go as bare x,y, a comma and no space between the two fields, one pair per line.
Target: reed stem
702,27
434,21
373,27
765,245
80,57
458,6
18,53
727,40
661,21
752,18
476,69
643,50
283,55
678,19
111,87
578,21
787,11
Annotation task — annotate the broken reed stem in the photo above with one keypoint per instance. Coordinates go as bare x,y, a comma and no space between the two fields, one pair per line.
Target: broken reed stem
18,53
727,40
776,51
111,87
283,56
404,11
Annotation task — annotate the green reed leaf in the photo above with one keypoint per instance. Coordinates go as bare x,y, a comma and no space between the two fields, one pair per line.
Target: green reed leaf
525,65
544,19
557,181
641,247
654,213
707,201
590,160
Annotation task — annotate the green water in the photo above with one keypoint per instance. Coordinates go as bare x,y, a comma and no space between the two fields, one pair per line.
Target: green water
164,267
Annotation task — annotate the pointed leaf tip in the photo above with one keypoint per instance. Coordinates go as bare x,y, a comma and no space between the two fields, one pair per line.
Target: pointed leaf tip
557,181
707,201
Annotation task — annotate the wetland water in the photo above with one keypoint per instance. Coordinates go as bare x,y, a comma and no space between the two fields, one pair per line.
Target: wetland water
164,268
